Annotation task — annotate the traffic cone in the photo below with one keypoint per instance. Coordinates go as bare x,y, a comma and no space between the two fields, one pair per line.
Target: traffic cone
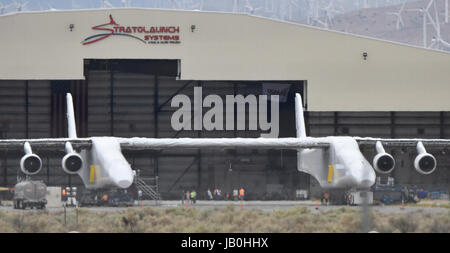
317,205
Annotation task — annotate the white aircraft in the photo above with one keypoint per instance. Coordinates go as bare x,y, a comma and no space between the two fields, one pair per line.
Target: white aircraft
336,162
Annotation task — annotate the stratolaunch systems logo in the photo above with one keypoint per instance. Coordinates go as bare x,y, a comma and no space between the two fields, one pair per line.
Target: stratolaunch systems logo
144,34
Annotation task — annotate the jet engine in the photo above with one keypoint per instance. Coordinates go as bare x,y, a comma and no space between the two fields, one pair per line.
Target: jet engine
425,163
383,162
71,162
30,163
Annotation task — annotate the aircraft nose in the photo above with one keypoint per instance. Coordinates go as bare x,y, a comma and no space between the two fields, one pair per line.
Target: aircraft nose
366,183
363,174
124,183
366,175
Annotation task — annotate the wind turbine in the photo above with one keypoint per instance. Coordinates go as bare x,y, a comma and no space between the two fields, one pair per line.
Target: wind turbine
425,16
313,12
330,10
269,6
365,4
250,8
446,11
291,5
400,23
106,4
235,5
198,6
20,6
3,8
126,3
437,41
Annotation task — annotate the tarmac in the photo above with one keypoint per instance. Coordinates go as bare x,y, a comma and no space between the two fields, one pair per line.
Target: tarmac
267,206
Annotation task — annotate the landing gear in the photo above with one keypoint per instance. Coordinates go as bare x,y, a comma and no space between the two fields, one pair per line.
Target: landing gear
20,204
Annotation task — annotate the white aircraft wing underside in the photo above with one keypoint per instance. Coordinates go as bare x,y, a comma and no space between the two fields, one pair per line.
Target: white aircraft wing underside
221,143
432,143
138,143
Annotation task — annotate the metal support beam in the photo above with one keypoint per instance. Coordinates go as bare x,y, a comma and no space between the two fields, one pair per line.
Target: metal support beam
111,105
441,125
173,95
5,169
48,171
199,153
155,134
27,110
199,168
306,112
231,171
85,109
155,107
182,174
393,134
335,123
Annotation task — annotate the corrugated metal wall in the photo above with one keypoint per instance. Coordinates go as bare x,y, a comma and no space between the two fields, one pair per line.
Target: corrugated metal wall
132,113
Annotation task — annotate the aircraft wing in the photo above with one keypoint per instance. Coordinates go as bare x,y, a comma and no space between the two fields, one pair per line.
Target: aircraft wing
220,143
400,143
48,144
137,143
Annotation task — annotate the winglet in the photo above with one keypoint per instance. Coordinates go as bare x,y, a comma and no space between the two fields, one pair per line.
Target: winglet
299,119
72,129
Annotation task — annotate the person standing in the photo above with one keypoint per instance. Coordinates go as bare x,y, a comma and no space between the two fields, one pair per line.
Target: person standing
210,194
327,198
188,197
193,196
183,195
241,193
235,194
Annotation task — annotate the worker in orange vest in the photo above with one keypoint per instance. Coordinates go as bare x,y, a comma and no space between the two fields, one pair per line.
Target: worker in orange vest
327,198
241,194
105,199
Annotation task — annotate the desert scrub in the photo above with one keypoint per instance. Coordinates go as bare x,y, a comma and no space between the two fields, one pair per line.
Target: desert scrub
221,220
404,224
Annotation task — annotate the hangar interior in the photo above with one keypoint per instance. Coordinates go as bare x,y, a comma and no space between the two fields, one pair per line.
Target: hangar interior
131,98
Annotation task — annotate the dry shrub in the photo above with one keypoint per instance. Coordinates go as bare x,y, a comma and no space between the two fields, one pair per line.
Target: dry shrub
5,227
225,220
349,223
439,223
404,224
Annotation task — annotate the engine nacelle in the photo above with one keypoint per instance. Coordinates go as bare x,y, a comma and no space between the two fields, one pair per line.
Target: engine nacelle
30,164
71,162
425,163
383,162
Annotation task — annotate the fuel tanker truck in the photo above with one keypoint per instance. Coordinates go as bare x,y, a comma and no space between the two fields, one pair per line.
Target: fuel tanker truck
30,194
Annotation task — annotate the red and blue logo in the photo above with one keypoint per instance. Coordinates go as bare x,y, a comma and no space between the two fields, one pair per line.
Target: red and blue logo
148,34
110,32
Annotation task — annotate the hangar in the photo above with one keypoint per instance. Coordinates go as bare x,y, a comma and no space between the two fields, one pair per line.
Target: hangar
123,67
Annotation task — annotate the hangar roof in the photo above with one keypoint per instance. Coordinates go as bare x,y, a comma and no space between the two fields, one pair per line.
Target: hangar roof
227,46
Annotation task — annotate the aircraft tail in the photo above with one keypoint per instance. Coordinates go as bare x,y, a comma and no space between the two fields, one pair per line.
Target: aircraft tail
72,129
299,119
